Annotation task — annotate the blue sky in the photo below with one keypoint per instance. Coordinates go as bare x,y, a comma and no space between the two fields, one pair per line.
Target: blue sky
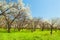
44,8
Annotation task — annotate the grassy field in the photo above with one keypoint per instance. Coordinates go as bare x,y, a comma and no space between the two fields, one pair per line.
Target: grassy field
28,35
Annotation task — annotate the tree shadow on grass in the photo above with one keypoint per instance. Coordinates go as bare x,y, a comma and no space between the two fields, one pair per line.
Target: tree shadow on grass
5,31
37,38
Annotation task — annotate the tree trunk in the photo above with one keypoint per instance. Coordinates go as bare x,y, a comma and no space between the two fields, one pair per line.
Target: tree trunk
51,29
19,28
8,28
43,27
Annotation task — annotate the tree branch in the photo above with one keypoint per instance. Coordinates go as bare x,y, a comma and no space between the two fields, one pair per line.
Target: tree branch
5,11
15,18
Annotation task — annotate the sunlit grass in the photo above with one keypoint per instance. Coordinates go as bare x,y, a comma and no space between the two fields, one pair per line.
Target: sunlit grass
28,35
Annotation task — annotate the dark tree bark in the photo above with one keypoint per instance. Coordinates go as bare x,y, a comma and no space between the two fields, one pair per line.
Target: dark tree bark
8,28
51,29
9,23
42,27
19,28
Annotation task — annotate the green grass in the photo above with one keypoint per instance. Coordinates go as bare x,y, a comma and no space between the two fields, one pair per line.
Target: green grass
28,35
